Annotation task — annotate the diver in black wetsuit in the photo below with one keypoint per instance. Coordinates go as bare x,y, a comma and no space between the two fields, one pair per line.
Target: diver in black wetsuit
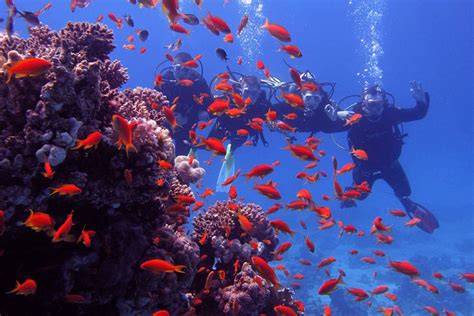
225,126
319,113
378,134
187,111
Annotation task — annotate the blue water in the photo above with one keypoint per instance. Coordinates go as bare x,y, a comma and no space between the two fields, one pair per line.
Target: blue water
424,40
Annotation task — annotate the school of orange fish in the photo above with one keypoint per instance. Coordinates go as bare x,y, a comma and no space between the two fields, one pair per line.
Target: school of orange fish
42,222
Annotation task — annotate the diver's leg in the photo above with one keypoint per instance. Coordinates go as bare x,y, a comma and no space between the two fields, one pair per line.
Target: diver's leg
181,144
396,177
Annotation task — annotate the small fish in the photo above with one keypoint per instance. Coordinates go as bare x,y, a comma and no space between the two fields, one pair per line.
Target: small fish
125,130
284,310
26,288
222,54
30,67
48,170
85,237
359,154
242,24
63,232
39,221
190,19
92,140
277,31
129,20
142,35
265,270
66,189
280,225
30,17
179,29
291,50
330,286
159,265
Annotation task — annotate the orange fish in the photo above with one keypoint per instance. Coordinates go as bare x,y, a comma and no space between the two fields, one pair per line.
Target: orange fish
48,170
294,100
179,28
159,265
413,222
26,288
354,119
219,23
63,232
280,225
260,65
265,270
206,193
242,24
232,192
219,106
269,190
329,286
213,144
301,152
359,154
129,46
66,189
291,50
326,261
125,133
229,38
203,239
158,80
346,168
170,9
277,31
260,171
117,21
404,267
245,223
30,67
283,310
39,221
309,244
398,213
86,236
92,140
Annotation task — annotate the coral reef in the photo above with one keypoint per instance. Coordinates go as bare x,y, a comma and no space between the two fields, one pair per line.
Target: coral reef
123,197
227,283
188,171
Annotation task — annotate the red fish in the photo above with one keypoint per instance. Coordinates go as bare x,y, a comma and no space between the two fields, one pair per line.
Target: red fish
469,277
213,144
26,288
277,31
231,179
358,293
86,236
159,265
309,244
265,270
259,171
404,267
294,100
125,133
398,213
283,310
273,208
39,221
179,28
326,261
413,222
63,232
284,247
291,50
117,21
232,192
359,154
66,189
269,190
170,9
379,290
280,225
219,23
330,286
48,170
242,24
30,67
92,140
431,310
301,152
170,117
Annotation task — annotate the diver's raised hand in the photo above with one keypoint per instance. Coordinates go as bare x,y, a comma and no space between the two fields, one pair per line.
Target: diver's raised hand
331,110
417,91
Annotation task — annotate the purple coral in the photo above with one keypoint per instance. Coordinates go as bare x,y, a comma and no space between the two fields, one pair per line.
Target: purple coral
42,117
228,250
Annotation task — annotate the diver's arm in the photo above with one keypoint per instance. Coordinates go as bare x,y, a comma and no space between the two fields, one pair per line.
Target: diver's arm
417,112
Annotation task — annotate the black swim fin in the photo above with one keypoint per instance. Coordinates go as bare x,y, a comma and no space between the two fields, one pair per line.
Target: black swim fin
428,222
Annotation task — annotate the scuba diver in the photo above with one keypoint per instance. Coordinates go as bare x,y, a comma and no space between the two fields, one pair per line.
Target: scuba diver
318,112
231,127
188,112
378,134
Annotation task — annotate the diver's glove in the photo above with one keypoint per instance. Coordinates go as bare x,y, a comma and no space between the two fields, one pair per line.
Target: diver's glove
417,92
345,115
331,110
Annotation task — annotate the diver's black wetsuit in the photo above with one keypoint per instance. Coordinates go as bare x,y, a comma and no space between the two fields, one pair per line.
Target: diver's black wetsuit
187,110
381,139
227,126
313,122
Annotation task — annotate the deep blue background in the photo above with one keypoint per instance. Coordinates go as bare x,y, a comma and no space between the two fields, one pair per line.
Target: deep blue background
425,40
